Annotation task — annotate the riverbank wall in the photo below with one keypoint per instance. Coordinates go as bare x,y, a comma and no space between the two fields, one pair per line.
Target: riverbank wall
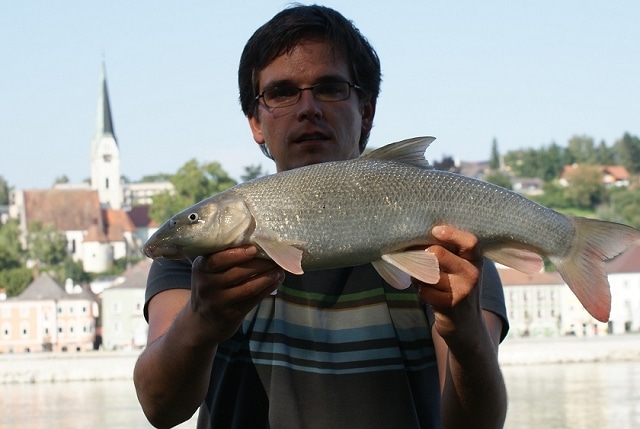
103,366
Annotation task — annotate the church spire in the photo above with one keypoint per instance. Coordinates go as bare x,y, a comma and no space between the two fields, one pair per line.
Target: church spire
105,153
104,123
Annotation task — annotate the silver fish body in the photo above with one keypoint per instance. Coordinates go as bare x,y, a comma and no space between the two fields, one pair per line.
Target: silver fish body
375,208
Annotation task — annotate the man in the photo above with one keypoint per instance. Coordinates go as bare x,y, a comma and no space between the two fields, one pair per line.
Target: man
335,348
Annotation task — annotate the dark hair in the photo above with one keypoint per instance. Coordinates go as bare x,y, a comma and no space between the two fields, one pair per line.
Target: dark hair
286,30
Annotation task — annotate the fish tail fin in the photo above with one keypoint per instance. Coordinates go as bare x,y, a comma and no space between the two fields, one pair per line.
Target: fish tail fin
584,268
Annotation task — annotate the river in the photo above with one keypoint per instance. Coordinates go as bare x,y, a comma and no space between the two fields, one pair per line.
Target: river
602,395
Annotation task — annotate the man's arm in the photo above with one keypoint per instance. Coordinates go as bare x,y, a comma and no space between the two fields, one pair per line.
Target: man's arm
172,373
466,337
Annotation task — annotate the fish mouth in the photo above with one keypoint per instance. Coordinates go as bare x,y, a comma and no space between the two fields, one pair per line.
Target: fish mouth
167,252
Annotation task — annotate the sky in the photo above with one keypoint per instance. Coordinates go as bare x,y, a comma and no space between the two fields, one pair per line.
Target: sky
525,73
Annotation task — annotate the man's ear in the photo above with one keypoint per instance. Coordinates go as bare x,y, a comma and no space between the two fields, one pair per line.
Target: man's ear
368,112
256,129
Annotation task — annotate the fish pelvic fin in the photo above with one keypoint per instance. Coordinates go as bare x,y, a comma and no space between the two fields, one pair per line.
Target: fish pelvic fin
282,252
398,268
584,268
409,151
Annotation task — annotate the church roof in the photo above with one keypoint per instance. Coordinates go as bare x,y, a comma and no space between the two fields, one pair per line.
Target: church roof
66,209
104,122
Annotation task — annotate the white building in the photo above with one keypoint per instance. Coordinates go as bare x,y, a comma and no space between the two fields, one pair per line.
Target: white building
123,323
542,305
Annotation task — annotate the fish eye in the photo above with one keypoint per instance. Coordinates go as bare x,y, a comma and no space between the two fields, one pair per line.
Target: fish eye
193,217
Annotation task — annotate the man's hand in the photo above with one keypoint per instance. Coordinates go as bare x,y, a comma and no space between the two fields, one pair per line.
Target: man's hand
226,285
455,299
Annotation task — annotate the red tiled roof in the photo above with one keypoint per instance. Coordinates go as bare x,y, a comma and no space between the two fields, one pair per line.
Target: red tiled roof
619,172
117,223
66,209
140,217
628,262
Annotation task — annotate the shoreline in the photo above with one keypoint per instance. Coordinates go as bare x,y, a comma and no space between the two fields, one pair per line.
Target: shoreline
559,350
118,365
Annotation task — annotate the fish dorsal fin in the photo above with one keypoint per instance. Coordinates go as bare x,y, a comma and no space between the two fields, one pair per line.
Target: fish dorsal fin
410,151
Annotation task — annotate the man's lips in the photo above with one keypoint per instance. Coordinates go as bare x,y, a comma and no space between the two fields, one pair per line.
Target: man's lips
310,138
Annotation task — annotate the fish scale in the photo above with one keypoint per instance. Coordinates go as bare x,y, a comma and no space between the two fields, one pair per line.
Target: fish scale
395,205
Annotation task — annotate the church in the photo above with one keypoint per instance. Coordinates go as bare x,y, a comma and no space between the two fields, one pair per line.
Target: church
105,219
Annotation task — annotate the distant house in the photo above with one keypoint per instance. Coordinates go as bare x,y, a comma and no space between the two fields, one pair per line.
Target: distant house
48,317
123,323
95,236
527,185
144,225
612,175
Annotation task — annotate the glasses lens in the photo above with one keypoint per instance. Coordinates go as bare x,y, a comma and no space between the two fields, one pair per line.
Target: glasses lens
332,91
281,96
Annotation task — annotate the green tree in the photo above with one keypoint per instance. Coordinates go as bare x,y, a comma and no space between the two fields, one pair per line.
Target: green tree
193,182
11,254
46,245
627,151
605,155
4,192
499,178
494,161
624,207
15,280
581,150
61,179
585,190
552,196
252,172
160,177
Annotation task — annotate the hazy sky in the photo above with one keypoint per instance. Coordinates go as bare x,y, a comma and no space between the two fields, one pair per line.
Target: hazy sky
525,73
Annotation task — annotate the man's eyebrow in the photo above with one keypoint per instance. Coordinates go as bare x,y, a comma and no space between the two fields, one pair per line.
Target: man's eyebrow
289,82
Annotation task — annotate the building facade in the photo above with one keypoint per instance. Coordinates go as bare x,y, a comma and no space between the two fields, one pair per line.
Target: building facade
48,317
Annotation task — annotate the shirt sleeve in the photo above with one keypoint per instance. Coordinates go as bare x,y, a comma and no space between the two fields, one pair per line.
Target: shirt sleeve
166,274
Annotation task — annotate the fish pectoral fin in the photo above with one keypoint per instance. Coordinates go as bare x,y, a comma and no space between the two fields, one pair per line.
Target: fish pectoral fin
420,263
392,274
283,252
523,260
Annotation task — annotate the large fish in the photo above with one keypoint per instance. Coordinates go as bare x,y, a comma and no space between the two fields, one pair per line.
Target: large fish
379,208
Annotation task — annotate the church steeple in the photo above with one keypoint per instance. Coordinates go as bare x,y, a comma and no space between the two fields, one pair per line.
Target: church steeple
105,154
104,123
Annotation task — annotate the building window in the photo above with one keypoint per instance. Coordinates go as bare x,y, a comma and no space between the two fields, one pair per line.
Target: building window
117,307
24,329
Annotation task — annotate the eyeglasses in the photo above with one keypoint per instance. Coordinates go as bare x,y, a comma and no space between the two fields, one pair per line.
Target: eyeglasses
283,96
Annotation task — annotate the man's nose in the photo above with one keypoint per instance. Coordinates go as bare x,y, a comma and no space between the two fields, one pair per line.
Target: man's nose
308,106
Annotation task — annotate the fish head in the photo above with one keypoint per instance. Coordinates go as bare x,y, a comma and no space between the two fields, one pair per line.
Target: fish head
211,225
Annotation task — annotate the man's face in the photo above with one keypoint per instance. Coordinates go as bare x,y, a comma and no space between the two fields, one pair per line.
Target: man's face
310,131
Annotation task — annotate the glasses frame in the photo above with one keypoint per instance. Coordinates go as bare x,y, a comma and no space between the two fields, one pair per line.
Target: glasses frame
313,90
